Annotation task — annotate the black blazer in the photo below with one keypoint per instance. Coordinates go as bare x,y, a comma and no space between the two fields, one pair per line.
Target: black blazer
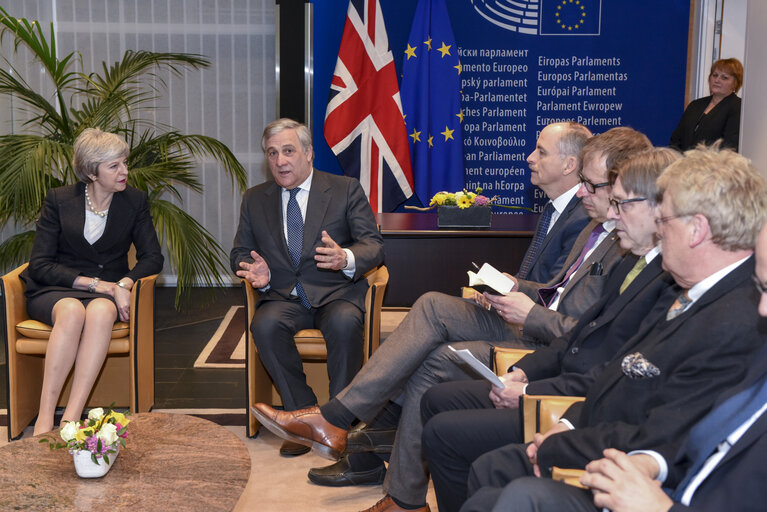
722,122
558,242
562,367
60,252
338,205
698,354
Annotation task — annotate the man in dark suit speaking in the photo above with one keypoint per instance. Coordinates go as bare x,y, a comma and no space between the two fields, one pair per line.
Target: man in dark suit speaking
304,241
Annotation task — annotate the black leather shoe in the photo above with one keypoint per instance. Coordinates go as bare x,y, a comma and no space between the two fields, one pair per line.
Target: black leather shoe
370,440
291,449
341,474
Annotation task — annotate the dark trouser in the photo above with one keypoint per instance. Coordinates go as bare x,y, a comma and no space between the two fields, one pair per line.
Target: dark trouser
460,425
531,494
273,327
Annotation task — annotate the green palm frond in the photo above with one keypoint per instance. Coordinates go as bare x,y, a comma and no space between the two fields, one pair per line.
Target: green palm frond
163,161
22,184
181,234
141,65
15,250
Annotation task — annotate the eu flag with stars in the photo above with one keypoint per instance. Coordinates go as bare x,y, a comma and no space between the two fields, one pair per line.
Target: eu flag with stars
571,17
431,102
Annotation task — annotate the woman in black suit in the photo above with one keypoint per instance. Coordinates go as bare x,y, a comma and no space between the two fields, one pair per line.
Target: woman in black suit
78,279
714,117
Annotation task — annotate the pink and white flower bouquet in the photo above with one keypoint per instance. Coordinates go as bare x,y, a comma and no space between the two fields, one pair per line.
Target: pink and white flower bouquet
102,434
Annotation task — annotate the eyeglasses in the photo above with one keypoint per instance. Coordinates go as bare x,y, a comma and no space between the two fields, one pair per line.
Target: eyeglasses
662,220
591,187
616,204
759,284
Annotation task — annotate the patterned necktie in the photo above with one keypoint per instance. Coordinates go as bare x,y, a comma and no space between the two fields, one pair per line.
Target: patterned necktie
541,230
296,240
717,426
679,305
635,271
548,294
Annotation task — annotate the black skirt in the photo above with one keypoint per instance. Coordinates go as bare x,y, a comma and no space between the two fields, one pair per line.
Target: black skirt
40,307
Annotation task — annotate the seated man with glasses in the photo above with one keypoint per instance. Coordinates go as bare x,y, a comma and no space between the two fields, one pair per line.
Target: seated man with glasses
466,419
667,377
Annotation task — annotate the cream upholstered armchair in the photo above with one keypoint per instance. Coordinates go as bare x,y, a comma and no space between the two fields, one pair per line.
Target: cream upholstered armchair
126,379
311,347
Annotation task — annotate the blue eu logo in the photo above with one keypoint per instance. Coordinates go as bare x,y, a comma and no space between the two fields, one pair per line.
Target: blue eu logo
543,17
570,17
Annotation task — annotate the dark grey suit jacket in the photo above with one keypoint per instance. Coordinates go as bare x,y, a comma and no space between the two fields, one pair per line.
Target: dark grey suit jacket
583,289
338,205
60,252
698,354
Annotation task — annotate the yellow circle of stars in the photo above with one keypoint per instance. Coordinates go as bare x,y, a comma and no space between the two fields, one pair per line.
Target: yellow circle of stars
579,8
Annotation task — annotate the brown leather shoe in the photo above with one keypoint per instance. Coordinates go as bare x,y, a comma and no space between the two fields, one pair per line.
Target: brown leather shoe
387,504
304,426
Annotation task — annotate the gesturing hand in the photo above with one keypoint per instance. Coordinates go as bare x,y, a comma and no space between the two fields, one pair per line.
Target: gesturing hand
256,273
330,255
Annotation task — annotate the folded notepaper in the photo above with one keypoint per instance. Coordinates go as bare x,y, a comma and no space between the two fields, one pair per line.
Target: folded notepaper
485,372
488,276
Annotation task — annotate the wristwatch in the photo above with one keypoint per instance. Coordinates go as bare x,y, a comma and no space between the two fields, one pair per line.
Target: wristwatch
94,284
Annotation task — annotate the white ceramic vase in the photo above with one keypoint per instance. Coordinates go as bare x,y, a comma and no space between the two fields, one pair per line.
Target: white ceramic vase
86,468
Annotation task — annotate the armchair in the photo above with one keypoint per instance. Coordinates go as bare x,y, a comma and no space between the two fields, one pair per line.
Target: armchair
127,377
311,347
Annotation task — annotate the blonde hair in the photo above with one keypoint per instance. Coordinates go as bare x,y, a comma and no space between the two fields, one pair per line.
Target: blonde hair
722,186
93,147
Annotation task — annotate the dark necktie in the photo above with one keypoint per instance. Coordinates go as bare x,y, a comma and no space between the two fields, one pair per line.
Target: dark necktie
296,240
541,230
722,421
548,294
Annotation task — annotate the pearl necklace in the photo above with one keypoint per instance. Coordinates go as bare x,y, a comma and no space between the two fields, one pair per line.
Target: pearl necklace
101,214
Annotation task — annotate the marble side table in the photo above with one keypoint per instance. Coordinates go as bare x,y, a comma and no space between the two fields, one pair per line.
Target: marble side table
172,462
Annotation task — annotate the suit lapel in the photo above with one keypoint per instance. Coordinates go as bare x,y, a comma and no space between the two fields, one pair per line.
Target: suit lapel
725,285
575,252
72,215
117,223
650,272
560,223
319,200
272,211
596,255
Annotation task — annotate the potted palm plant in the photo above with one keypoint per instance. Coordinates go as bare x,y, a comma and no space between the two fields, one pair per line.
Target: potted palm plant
162,160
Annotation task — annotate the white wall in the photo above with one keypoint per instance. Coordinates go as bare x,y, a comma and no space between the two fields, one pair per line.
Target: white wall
232,100
753,123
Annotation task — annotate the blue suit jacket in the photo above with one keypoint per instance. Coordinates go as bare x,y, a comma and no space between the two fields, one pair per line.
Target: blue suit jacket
737,482
558,242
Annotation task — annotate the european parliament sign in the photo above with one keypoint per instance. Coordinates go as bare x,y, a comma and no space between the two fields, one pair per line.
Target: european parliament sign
527,63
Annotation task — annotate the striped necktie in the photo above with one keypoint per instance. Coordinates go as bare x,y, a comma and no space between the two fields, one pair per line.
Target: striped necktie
533,251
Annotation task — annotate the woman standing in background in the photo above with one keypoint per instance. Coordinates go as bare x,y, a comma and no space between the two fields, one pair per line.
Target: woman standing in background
714,117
